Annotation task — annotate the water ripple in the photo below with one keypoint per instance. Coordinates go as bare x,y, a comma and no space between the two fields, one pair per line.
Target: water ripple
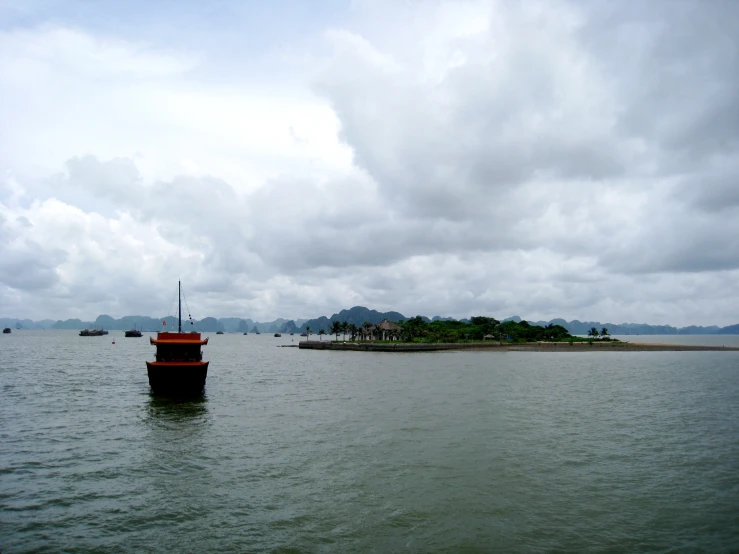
293,451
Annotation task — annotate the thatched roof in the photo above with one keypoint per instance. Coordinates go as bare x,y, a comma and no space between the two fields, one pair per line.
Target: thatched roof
386,325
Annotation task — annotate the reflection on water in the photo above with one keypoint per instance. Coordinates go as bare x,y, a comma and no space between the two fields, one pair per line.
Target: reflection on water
176,410
180,423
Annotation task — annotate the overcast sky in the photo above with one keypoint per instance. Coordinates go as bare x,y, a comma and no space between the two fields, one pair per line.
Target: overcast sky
291,159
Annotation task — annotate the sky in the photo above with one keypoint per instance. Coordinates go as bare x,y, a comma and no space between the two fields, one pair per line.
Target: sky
291,159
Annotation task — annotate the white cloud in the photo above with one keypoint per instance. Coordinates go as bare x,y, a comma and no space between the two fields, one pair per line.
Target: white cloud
445,158
67,93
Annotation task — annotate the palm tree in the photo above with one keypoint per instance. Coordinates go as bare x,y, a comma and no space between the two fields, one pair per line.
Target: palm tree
307,331
365,329
604,332
336,329
353,330
344,328
593,332
320,334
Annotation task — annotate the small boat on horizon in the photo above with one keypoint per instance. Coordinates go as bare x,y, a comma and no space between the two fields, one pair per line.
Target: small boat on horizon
278,335
93,332
133,333
7,330
179,369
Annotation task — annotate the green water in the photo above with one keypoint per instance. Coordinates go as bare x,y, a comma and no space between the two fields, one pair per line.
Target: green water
298,451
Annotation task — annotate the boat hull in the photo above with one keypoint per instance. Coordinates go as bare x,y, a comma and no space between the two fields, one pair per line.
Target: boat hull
177,378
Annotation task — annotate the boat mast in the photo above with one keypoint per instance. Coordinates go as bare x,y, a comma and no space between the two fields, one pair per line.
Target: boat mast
179,306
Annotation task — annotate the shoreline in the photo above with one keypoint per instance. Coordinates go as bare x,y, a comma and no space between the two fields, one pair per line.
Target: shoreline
610,346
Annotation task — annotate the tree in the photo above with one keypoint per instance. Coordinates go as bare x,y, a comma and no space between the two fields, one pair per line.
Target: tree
336,328
593,333
344,328
307,332
320,334
414,327
353,330
487,325
365,329
604,332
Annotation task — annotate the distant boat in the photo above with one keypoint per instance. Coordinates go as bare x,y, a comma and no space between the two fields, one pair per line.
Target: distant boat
133,333
93,333
6,330
303,334
219,332
246,333
179,369
278,335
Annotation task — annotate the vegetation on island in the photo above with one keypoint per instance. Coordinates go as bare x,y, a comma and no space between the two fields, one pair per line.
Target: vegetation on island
479,328
488,328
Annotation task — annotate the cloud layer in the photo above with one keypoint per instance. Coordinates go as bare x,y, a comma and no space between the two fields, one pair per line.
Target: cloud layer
443,158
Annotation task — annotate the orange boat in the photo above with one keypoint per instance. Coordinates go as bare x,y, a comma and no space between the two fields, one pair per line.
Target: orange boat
179,369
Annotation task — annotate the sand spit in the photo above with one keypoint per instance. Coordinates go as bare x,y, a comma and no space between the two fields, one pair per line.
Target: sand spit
611,346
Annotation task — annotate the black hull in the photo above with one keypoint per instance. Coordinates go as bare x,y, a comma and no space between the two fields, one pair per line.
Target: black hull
177,380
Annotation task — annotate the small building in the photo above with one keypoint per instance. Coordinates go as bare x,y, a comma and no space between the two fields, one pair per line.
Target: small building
385,330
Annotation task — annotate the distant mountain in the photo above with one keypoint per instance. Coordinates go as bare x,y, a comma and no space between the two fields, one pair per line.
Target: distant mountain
577,327
288,327
15,323
72,324
356,315
243,326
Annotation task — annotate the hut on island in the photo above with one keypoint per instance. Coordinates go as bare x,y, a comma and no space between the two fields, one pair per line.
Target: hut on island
385,330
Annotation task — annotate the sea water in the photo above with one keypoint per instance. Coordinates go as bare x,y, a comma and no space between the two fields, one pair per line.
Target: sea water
315,451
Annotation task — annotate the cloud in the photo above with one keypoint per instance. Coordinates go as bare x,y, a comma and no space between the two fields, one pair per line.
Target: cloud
552,159
24,263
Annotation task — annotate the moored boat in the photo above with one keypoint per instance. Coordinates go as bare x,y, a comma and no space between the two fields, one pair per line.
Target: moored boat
179,369
93,333
6,330
278,335
133,333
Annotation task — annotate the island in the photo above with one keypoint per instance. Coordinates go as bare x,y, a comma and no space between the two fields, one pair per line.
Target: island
479,333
